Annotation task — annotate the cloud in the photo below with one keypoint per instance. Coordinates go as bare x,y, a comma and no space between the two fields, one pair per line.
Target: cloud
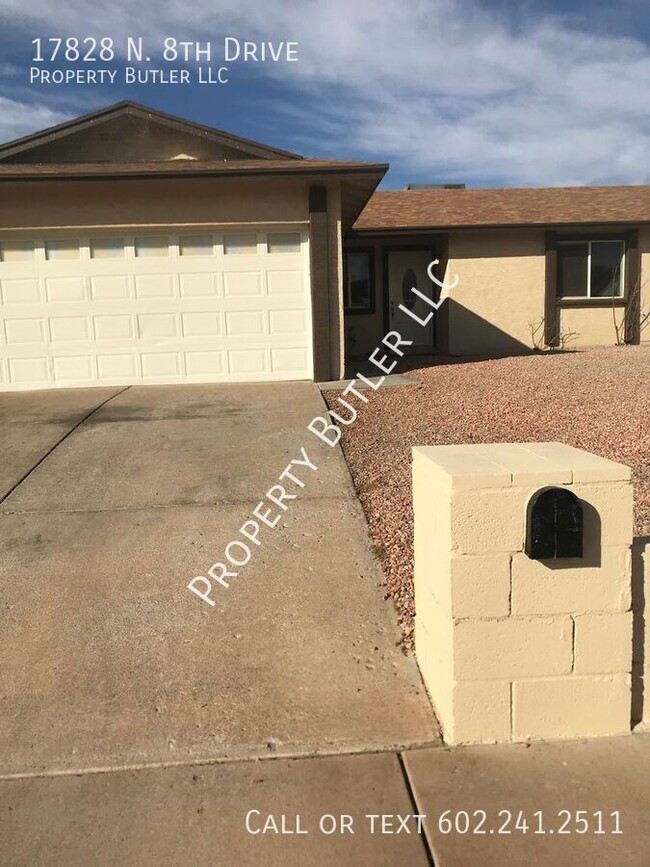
439,87
19,118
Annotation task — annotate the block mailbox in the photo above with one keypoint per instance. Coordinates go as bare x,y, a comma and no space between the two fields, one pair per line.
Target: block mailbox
523,626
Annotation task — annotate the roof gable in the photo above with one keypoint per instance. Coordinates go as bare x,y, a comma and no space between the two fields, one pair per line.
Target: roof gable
129,132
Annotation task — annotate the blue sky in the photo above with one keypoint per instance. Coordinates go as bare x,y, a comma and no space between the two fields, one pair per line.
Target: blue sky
489,92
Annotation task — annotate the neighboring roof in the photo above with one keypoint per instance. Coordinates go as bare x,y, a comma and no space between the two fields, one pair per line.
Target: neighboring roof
446,209
22,145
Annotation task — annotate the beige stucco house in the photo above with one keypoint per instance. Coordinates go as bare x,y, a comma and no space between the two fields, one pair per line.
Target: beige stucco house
140,247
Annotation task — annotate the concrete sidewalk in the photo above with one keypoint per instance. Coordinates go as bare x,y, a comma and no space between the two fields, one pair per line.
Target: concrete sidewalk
110,662
502,795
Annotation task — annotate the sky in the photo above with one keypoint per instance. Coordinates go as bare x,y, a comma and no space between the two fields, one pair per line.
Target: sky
482,92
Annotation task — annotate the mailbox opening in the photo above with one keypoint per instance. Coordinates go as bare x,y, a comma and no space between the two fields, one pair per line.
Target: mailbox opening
554,523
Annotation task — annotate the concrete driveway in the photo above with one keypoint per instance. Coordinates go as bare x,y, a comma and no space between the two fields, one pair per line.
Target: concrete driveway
111,501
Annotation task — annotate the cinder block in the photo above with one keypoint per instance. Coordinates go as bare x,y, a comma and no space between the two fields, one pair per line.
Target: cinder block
436,669
488,521
512,648
432,617
481,713
613,503
432,530
585,466
603,643
480,586
525,466
571,707
538,588
465,468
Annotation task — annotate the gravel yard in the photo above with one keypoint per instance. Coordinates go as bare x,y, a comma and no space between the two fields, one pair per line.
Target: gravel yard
596,399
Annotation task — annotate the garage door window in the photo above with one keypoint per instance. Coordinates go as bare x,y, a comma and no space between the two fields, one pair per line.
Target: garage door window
107,248
151,245
17,251
240,244
63,248
196,245
283,242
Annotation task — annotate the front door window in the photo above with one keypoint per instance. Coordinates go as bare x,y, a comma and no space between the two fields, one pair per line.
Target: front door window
407,269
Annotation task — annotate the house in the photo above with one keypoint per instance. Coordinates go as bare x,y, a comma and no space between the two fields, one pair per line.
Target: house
137,247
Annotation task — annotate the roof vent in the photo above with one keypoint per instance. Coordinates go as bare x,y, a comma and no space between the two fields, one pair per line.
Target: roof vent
434,187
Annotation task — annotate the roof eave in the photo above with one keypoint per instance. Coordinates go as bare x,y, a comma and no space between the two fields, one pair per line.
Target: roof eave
447,227
299,167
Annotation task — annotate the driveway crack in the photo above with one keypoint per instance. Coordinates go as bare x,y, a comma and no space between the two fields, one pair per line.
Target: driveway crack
58,442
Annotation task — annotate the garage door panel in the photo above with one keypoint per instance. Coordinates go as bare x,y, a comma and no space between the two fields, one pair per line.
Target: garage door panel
111,308
110,287
70,328
199,285
286,282
154,286
206,363
288,361
20,291
22,329
122,367
30,370
202,324
242,283
74,368
114,326
62,289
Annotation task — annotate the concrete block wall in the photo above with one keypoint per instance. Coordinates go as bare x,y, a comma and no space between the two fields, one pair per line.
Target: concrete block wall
511,648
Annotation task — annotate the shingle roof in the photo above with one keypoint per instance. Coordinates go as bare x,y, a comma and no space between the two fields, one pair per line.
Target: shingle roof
439,209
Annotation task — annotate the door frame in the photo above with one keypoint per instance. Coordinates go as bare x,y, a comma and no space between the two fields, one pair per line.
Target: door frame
429,248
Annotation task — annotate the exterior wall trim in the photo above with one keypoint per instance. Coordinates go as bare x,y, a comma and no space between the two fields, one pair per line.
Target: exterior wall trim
319,271
551,318
632,287
630,300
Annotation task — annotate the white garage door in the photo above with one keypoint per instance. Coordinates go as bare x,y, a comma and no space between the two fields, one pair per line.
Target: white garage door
188,305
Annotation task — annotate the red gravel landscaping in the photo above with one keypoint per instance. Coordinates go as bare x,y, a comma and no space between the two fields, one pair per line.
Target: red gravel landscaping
596,399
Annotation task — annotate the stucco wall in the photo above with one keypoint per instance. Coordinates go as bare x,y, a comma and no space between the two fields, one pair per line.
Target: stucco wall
153,202
500,291
590,326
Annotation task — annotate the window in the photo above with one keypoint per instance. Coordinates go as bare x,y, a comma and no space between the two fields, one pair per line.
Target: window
63,248
17,251
151,245
283,242
196,245
358,282
107,248
239,244
590,269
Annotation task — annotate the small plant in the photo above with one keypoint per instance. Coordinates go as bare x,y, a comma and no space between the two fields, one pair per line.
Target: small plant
559,340
624,321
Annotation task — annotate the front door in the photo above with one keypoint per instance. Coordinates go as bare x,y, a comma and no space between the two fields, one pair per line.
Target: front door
407,269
